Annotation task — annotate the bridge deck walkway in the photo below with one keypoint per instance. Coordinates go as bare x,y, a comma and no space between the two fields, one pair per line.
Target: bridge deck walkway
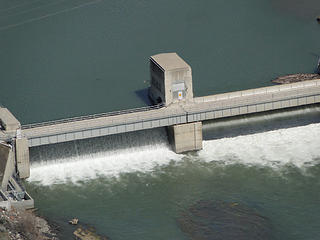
287,95
164,112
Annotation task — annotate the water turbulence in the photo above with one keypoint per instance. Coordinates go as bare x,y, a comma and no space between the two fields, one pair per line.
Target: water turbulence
273,140
298,146
222,220
107,156
261,122
249,141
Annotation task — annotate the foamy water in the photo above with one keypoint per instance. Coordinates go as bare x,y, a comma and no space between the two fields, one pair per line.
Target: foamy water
298,146
108,164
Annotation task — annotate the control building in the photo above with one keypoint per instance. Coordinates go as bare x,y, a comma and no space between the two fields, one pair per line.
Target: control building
171,79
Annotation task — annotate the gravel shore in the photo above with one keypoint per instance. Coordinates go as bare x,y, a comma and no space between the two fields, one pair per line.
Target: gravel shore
24,225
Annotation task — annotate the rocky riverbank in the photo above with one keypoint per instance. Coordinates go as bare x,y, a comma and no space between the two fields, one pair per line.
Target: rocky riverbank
24,225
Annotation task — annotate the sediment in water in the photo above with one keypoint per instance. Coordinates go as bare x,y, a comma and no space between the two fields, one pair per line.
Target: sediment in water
224,220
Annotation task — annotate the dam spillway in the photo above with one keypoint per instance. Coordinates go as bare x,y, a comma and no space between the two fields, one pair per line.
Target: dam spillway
175,108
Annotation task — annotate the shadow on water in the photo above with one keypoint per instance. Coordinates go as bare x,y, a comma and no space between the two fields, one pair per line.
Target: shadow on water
143,95
210,220
317,65
261,122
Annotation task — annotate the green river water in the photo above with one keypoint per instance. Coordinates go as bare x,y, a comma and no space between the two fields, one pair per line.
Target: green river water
64,58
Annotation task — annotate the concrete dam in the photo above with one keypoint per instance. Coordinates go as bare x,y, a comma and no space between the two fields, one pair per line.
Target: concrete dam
175,108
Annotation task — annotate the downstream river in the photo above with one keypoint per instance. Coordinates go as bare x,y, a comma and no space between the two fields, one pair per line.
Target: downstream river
257,177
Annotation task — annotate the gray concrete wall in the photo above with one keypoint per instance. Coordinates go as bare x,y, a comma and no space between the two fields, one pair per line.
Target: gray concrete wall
243,109
284,90
167,69
25,204
7,165
4,156
186,137
22,157
8,121
103,127
176,76
157,88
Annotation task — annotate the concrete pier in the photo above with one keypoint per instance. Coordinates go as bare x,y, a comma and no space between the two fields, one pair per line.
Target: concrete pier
171,79
186,137
22,156
7,164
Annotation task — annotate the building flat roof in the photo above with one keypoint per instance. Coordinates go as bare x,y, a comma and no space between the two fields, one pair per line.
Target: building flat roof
169,61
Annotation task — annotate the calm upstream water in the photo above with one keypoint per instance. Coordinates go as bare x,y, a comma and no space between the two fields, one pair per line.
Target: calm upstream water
256,177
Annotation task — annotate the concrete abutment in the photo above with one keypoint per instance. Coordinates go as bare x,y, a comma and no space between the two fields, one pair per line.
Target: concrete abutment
7,164
14,163
186,137
22,157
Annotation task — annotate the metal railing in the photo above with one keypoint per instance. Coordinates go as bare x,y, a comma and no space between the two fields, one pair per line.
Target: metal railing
92,116
245,104
224,104
260,91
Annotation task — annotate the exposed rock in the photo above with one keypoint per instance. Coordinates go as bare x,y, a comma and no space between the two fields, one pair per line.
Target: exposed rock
87,234
4,236
296,78
24,225
207,220
318,19
74,221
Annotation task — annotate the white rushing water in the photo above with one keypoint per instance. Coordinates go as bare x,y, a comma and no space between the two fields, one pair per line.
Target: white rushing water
106,164
298,146
108,157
